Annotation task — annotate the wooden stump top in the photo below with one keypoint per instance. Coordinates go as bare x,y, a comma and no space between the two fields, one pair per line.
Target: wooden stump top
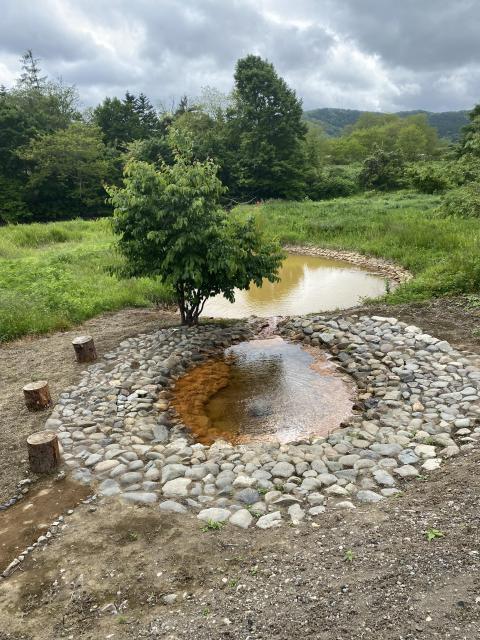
82,340
35,386
41,437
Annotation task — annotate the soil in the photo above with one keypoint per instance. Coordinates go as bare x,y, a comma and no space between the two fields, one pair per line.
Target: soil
52,358
366,574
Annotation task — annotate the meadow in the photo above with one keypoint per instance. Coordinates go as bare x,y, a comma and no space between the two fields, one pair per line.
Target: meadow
55,275
442,252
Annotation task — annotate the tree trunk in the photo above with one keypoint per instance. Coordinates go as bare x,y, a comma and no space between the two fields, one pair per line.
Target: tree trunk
84,349
43,452
37,395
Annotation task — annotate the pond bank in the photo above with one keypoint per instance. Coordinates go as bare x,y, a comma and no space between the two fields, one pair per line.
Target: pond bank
379,266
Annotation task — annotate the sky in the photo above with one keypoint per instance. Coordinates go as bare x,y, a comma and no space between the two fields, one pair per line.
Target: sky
379,55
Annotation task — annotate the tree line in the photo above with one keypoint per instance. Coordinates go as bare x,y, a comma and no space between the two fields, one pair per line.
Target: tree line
55,158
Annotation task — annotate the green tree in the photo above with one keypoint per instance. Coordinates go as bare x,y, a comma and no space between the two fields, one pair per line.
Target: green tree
170,225
383,170
470,140
266,133
66,171
123,121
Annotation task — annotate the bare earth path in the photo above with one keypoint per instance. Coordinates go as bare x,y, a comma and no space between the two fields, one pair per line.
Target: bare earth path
171,580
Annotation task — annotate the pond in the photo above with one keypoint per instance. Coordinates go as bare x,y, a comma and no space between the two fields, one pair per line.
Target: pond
307,284
266,389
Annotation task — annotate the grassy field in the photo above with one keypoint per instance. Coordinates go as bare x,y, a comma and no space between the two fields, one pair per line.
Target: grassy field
55,275
442,253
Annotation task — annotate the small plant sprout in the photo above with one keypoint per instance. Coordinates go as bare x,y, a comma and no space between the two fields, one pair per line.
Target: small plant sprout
349,555
213,525
432,534
132,536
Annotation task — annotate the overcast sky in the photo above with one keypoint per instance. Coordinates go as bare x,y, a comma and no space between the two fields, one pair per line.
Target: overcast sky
366,54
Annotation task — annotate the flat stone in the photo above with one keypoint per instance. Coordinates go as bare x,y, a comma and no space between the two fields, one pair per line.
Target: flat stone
326,479
389,450
365,495
172,471
176,488
425,451
214,514
383,478
346,504
406,471
106,465
408,457
296,513
283,470
270,520
247,496
140,497
131,477
431,464
316,511
241,518
172,506
109,487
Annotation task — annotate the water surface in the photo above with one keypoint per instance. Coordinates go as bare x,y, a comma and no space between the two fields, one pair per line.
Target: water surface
307,284
264,390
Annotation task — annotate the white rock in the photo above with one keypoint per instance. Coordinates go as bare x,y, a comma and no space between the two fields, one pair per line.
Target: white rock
177,488
270,520
214,514
241,518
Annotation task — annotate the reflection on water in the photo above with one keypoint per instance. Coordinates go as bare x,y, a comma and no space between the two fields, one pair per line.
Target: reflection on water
264,390
307,284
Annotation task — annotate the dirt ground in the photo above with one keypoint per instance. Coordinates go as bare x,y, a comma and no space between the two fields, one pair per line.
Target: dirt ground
51,357
365,574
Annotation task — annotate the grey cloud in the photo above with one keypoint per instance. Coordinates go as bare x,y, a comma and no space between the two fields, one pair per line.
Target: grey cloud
424,35
375,54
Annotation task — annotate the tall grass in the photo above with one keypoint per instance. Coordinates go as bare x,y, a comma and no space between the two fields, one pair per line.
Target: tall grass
55,275
443,253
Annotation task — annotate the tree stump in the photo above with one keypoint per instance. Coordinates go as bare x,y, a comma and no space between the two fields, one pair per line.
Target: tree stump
37,395
84,349
43,452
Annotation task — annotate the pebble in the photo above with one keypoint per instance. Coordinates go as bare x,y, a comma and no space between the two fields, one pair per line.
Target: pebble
418,404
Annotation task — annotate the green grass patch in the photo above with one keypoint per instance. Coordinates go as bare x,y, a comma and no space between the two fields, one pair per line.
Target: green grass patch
53,276
443,253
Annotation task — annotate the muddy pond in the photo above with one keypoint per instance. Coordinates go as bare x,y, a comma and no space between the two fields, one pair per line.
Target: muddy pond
266,389
307,284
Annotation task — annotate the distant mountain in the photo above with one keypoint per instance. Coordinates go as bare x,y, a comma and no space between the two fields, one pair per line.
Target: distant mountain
447,123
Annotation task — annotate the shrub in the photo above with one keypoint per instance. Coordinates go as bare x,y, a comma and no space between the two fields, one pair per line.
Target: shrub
463,202
383,170
430,177
333,182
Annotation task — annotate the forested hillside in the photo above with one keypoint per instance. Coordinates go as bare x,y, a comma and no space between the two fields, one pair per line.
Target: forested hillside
447,123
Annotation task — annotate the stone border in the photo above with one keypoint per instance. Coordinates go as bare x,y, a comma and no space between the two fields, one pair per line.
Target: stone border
418,404
378,265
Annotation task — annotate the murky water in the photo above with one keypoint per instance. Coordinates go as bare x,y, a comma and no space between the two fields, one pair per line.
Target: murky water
264,390
30,518
307,284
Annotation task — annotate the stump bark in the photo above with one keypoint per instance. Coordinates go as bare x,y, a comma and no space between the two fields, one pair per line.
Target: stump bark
43,452
84,349
37,395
